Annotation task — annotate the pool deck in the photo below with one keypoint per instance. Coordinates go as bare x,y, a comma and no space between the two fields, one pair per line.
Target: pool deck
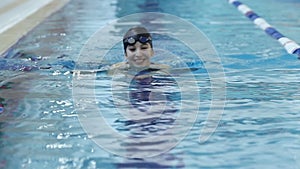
18,17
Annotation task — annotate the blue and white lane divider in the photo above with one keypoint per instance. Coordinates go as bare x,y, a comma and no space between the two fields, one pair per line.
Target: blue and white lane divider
290,46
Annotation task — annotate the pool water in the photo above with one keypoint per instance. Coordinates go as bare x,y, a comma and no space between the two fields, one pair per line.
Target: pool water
259,128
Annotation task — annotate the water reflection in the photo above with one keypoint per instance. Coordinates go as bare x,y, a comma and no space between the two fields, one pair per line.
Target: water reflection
149,107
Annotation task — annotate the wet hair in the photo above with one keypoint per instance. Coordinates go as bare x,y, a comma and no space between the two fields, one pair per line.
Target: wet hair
135,33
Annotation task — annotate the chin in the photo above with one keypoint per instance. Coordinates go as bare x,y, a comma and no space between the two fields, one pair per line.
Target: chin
141,65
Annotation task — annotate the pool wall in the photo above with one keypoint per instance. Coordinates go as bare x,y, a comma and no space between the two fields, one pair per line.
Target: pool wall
18,17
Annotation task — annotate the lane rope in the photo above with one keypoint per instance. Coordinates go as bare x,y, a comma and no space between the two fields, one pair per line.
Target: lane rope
290,46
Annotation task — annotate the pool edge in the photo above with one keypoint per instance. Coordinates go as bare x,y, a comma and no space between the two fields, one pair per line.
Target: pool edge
12,35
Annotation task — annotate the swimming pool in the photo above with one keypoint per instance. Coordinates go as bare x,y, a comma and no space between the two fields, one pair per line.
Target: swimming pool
259,127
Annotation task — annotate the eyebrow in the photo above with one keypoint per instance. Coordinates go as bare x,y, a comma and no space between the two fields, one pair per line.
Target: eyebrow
146,44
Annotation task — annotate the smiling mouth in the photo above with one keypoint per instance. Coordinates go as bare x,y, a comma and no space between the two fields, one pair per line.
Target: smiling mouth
139,61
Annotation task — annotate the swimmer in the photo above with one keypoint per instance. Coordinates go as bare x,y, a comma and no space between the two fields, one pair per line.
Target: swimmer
138,50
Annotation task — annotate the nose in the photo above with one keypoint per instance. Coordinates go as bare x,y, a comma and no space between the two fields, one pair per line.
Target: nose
138,53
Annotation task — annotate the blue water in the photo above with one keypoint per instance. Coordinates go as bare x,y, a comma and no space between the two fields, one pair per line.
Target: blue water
260,123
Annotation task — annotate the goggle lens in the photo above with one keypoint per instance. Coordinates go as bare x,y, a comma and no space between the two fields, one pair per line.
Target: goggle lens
144,39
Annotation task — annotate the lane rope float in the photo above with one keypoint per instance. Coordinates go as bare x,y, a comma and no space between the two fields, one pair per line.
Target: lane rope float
290,46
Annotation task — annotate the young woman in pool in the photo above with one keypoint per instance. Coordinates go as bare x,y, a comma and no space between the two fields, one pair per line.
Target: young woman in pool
138,49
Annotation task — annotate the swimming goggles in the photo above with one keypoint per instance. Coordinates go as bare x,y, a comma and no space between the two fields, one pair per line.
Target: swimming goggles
133,39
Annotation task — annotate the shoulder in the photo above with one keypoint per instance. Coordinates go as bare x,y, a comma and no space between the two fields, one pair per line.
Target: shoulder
159,66
121,65
117,67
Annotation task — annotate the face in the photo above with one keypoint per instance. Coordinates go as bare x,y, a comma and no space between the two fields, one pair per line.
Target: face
139,54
